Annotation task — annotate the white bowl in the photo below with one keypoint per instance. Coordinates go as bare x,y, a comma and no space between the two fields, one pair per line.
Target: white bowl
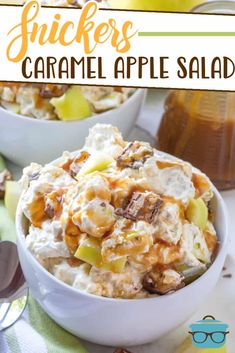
119,322
25,140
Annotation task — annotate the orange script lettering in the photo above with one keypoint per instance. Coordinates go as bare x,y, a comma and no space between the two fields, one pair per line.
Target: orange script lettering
85,31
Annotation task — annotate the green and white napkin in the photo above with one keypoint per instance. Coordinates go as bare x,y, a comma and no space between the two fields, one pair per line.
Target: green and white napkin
34,332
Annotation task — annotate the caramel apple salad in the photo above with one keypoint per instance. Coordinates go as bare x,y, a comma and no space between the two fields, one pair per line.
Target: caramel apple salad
60,102
119,219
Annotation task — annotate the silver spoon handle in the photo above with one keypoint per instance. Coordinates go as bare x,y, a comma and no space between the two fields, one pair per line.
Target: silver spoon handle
18,294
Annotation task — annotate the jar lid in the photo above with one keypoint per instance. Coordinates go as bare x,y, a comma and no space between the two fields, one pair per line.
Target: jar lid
216,6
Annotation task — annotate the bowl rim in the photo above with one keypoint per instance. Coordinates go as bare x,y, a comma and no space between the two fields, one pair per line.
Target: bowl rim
224,239
26,118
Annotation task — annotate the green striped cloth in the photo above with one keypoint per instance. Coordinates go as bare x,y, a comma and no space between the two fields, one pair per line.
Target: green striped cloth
34,332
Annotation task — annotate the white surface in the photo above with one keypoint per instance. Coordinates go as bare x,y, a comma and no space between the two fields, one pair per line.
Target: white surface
222,303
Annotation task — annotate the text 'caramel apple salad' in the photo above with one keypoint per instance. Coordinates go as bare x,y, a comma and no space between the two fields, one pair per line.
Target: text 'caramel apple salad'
119,219
63,102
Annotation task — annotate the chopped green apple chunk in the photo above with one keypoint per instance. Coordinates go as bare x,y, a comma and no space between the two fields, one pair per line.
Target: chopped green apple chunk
181,268
197,213
115,266
98,161
193,273
72,105
90,252
12,195
2,164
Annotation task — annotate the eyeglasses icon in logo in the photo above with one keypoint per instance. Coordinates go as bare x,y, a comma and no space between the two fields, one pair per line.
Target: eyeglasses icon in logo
209,333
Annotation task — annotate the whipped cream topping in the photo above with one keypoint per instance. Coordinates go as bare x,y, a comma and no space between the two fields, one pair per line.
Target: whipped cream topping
112,219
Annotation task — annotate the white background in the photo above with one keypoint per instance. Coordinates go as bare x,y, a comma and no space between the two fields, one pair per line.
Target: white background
173,47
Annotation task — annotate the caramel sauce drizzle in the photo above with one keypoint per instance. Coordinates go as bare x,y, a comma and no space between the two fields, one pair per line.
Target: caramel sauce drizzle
201,184
37,211
167,164
72,236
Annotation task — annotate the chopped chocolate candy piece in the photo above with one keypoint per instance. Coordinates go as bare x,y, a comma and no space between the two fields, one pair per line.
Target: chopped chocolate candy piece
156,282
72,166
49,210
229,275
50,90
122,350
142,206
135,155
4,176
78,162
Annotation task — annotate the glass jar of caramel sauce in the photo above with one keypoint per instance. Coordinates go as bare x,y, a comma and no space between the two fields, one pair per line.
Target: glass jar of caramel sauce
199,126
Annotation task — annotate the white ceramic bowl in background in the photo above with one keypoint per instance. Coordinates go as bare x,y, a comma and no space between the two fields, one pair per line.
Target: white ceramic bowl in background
118,322
24,140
